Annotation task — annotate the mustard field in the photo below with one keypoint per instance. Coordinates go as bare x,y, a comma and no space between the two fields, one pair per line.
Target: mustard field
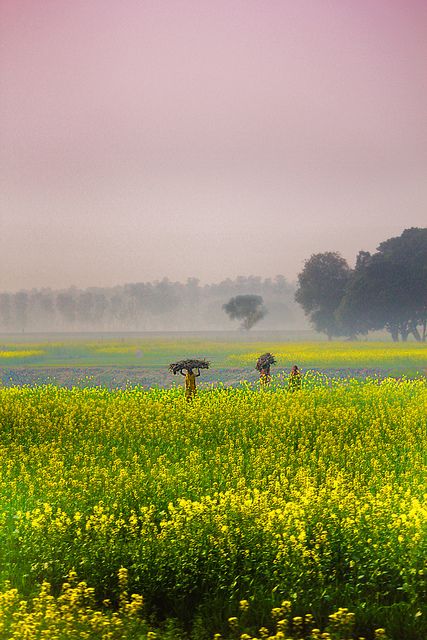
244,514
223,352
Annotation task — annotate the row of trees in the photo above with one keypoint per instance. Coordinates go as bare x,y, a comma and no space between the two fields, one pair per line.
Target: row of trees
145,306
385,290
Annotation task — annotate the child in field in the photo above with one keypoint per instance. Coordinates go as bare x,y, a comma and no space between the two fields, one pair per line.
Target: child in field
295,379
190,383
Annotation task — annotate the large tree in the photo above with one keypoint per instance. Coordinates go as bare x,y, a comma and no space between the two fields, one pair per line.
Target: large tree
358,310
389,288
247,308
322,284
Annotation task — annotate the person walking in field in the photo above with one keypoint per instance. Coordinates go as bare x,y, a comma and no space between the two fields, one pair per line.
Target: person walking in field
190,383
263,365
188,366
295,379
265,376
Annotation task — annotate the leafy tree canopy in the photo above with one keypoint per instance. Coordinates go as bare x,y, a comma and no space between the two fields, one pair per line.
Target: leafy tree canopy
322,284
389,288
247,308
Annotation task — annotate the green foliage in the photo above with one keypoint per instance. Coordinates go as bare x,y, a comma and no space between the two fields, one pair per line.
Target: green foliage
385,290
247,308
322,284
389,288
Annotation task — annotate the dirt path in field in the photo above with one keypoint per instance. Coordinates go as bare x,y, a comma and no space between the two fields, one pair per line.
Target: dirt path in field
120,378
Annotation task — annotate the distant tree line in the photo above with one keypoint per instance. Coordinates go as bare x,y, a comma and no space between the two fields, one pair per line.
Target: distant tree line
145,306
385,290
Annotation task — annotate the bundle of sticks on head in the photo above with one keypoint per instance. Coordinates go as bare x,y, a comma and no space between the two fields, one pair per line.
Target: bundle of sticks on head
265,361
191,363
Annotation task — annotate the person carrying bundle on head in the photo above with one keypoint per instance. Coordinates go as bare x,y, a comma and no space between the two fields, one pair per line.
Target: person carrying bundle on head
295,379
265,375
263,365
190,383
186,368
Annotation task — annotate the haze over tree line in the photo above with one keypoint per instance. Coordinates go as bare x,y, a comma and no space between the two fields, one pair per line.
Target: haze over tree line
147,306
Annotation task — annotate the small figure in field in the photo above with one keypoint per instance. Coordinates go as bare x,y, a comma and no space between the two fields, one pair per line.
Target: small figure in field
265,375
186,368
295,379
263,365
190,383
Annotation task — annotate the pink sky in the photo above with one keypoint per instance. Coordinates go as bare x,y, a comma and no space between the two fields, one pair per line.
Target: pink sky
142,139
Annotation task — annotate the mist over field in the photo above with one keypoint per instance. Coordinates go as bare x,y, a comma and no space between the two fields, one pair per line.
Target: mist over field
385,291
157,306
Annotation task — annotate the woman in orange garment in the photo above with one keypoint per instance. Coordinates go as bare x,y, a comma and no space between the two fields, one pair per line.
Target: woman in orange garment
190,383
295,379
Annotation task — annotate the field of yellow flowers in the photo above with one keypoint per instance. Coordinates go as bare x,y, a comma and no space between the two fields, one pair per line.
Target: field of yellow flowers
247,513
222,351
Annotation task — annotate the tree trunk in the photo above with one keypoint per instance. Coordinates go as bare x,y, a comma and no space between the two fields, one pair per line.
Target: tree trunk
394,332
415,332
404,331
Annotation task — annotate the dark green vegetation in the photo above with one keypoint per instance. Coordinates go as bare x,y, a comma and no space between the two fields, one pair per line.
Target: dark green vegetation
385,290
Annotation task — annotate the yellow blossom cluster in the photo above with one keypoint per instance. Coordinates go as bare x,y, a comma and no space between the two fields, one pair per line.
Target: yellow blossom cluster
72,614
340,354
396,358
239,503
20,353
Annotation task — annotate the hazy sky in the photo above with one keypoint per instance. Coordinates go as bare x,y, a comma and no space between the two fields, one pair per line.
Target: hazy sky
151,138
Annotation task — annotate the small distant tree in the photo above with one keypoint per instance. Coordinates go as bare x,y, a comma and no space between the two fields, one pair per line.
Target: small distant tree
322,284
249,309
